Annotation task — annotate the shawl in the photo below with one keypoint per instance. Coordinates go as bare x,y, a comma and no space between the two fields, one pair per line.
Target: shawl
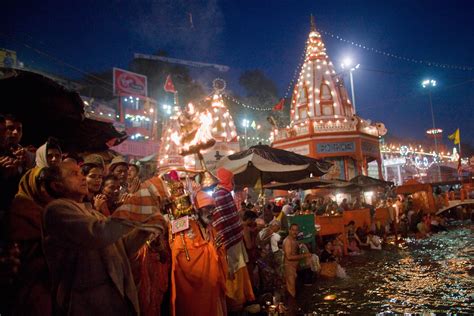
142,210
225,218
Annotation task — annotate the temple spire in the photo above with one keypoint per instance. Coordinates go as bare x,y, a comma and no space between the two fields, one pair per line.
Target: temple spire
319,93
313,25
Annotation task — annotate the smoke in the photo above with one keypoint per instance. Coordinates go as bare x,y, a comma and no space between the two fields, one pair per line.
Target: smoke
192,28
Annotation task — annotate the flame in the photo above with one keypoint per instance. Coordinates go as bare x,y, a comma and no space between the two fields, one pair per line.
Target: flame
204,132
176,138
191,109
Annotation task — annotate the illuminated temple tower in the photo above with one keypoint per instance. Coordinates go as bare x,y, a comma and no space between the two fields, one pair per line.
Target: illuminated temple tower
323,122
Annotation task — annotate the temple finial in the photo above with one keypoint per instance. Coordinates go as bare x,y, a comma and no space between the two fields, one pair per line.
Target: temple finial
313,25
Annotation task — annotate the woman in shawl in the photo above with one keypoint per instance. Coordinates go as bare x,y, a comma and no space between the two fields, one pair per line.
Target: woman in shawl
33,295
49,154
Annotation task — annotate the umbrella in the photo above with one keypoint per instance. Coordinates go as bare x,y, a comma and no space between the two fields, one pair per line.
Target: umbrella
367,182
305,184
48,109
266,164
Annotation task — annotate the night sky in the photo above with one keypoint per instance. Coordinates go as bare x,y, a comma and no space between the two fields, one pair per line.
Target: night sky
270,35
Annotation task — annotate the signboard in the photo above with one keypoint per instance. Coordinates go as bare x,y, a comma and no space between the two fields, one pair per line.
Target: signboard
7,58
337,169
301,150
129,83
332,148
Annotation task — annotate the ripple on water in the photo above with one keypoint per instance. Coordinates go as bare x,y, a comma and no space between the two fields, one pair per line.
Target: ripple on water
428,275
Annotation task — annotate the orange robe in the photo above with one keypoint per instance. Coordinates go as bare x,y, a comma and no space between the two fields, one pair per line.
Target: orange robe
239,289
198,285
151,274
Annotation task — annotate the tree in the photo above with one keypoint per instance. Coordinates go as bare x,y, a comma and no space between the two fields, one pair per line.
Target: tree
259,87
262,92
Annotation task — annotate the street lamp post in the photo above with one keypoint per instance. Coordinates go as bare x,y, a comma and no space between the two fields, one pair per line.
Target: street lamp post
348,64
245,124
430,83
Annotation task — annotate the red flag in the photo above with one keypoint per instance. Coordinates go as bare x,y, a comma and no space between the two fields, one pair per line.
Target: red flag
279,105
169,86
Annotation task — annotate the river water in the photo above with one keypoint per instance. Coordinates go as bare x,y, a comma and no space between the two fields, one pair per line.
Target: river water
432,275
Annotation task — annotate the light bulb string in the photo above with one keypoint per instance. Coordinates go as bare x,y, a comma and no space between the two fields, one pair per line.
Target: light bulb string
395,56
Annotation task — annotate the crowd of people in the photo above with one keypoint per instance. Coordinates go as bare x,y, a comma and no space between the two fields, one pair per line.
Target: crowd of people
65,251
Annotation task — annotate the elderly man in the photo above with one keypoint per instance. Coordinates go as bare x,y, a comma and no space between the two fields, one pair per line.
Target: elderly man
198,284
88,253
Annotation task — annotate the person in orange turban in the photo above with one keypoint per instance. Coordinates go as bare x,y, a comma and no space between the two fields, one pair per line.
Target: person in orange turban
198,285
226,178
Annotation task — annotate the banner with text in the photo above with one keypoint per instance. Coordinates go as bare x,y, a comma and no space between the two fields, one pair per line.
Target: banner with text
129,83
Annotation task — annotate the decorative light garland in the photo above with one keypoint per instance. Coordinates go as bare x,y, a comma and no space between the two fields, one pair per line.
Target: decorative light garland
137,118
254,108
297,71
242,138
389,54
290,86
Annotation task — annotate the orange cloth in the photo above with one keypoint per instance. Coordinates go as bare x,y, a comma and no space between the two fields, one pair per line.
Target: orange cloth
152,278
143,208
239,290
226,178
198,285
203,199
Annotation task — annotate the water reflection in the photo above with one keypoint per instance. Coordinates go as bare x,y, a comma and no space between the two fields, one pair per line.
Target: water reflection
431,275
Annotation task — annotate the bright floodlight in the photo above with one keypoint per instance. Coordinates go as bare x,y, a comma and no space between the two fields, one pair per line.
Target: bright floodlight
347,62
245,123
428,82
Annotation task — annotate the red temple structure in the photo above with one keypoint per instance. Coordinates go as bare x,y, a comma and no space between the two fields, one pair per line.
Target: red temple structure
323,120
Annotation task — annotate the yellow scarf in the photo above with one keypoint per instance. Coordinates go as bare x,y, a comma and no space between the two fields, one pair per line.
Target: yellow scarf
28,185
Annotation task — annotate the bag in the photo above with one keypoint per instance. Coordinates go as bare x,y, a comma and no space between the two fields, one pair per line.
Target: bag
306,262
315,266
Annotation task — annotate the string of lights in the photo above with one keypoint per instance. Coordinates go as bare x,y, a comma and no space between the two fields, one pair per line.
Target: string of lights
395,56
297,71
288,90
250,107
259,139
